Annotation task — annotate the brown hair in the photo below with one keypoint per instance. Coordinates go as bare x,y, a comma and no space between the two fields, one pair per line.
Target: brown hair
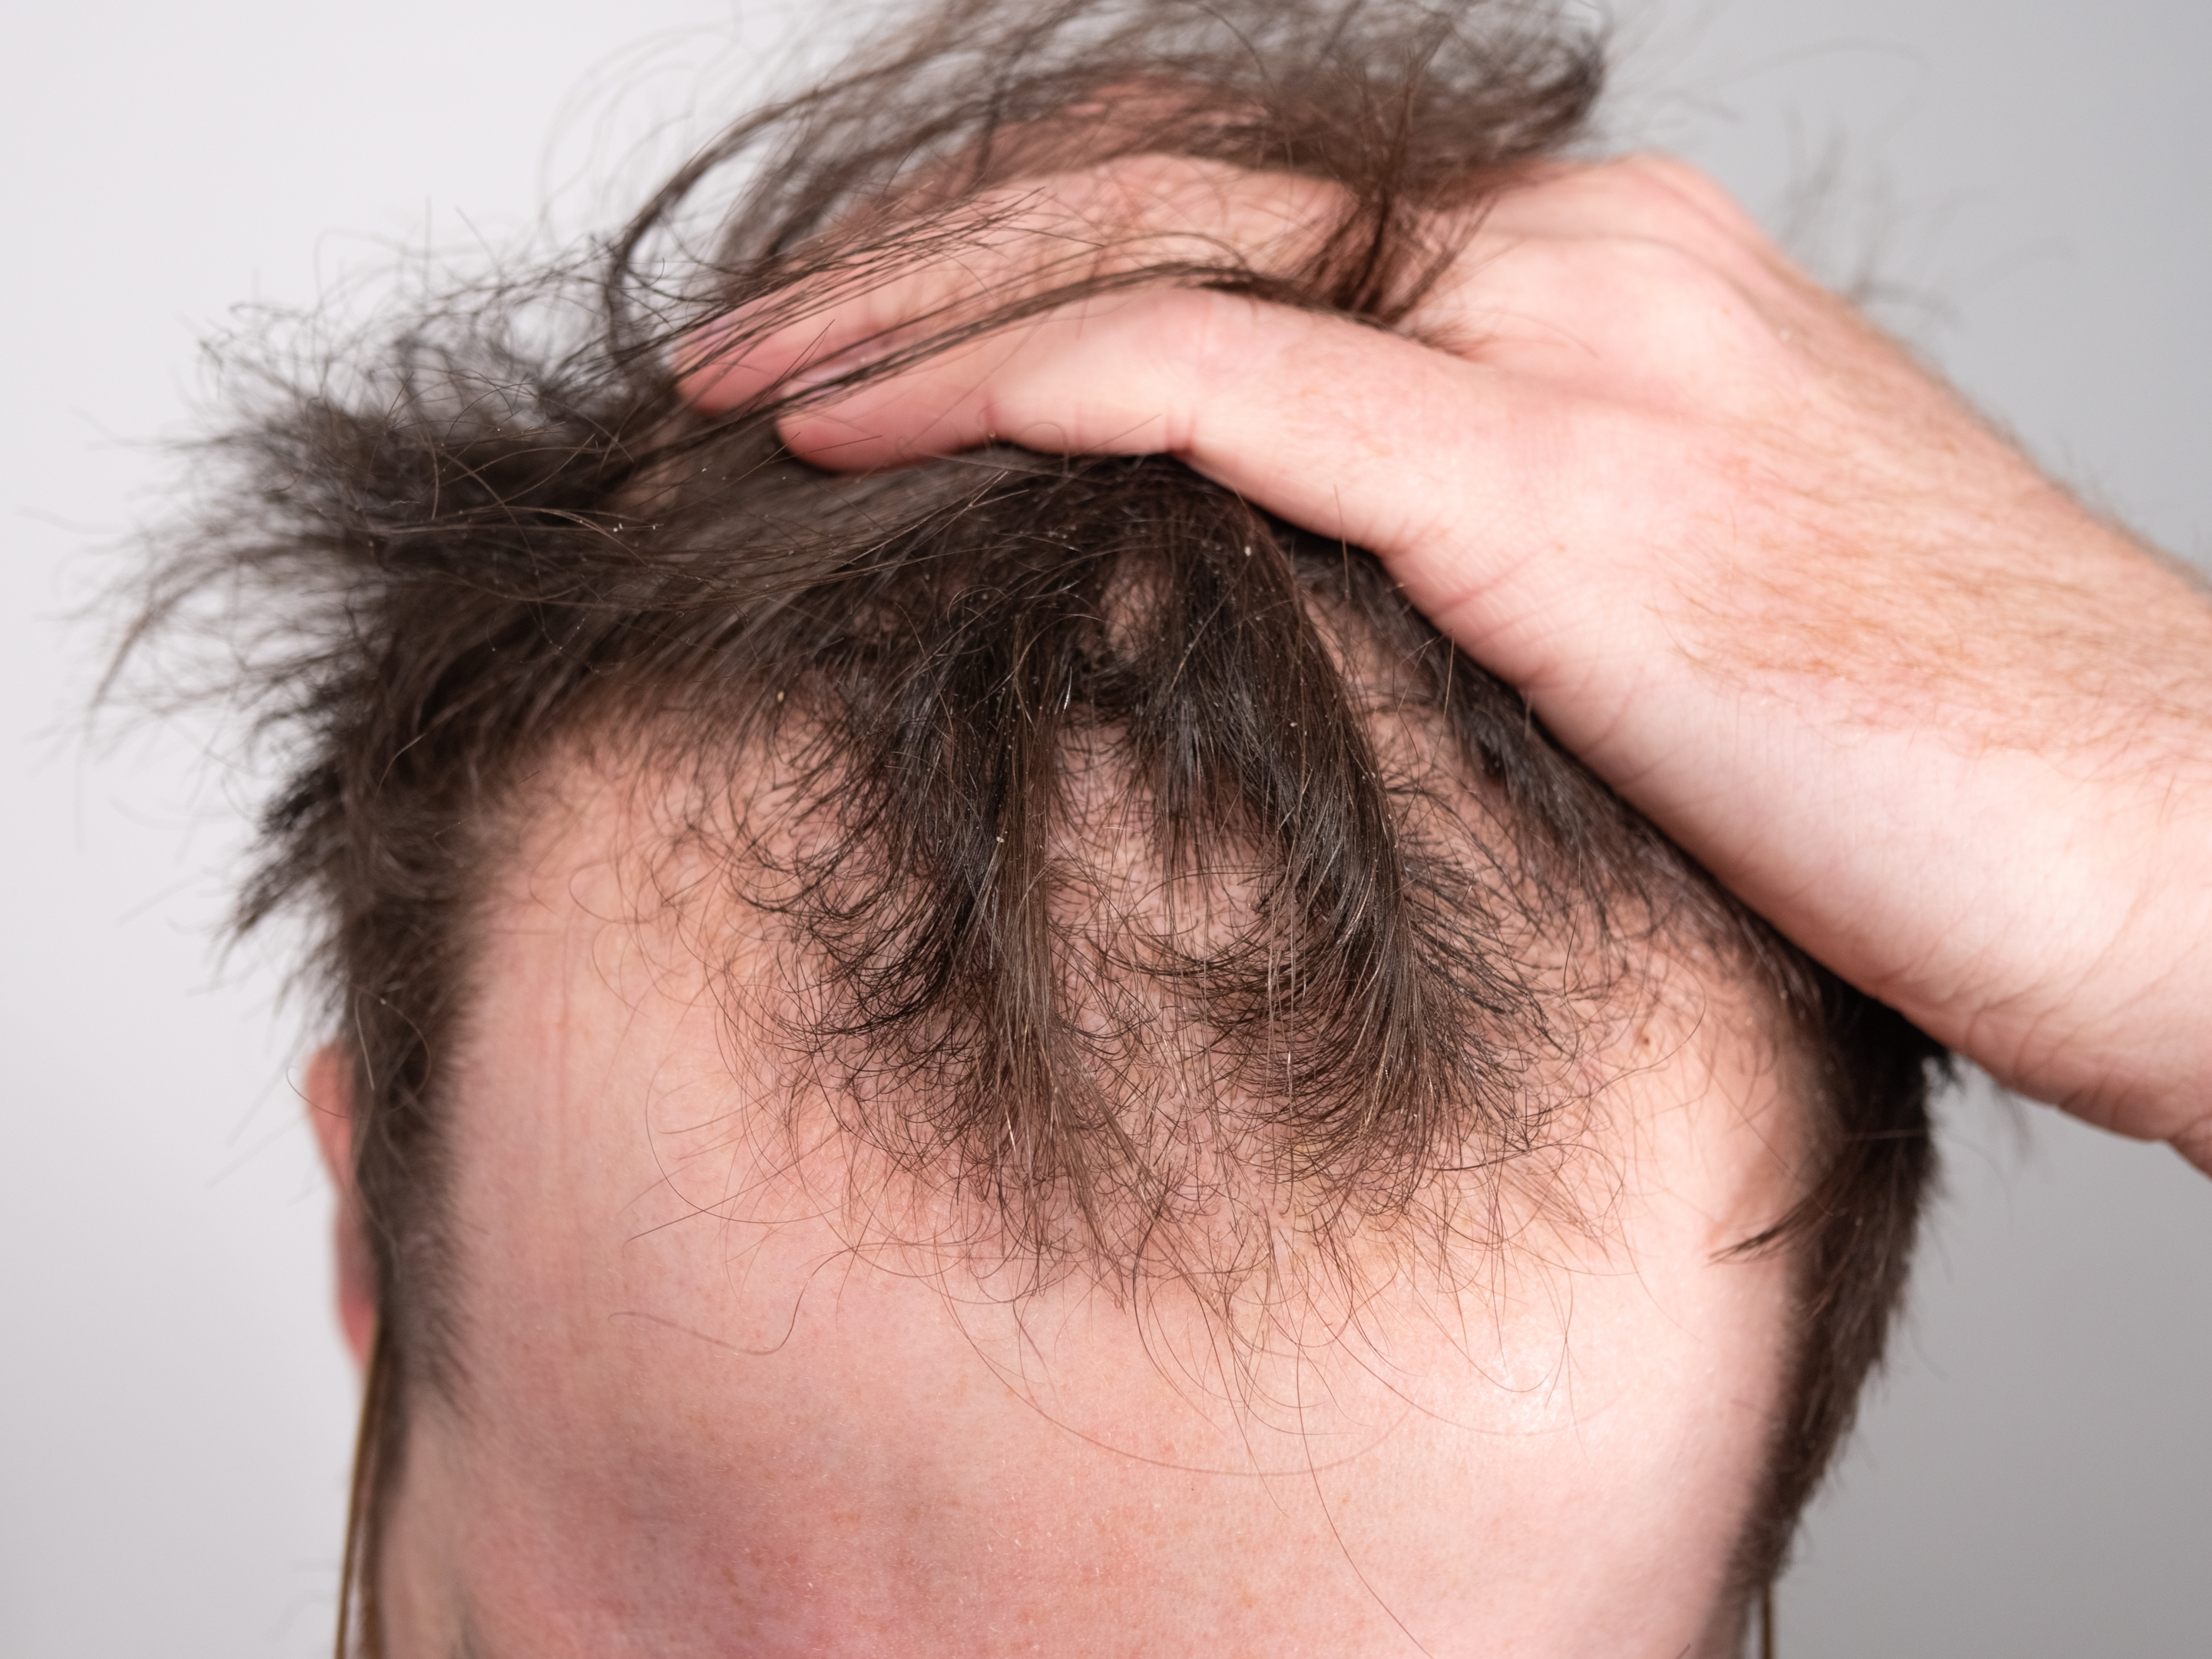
438,554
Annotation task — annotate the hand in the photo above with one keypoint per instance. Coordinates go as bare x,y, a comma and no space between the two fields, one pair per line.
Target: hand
1766,575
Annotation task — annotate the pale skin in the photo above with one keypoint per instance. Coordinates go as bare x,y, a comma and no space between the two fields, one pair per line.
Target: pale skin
1947,729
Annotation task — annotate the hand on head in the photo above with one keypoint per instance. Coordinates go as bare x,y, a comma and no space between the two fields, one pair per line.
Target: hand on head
896,1031
1764,573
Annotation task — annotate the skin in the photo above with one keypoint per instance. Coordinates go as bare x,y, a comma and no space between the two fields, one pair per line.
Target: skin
1780,586
707,1405
1947,729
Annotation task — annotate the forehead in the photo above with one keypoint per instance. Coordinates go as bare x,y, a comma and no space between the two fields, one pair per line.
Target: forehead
721,1370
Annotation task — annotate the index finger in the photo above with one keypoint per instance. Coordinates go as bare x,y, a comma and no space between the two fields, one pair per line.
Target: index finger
1156,214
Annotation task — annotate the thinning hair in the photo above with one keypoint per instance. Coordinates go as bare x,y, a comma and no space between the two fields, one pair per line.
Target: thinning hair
492,531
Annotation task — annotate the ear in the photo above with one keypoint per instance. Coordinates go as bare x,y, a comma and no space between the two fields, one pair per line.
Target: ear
329,1094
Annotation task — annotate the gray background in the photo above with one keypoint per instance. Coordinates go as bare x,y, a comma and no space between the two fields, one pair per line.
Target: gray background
2034,1476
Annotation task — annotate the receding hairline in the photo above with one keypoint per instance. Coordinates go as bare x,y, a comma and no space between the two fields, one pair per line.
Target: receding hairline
651,859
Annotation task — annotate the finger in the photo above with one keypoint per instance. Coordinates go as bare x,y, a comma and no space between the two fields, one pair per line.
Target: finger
1005,246
1441,467
1526,293
1632,321
1647,198
1594,269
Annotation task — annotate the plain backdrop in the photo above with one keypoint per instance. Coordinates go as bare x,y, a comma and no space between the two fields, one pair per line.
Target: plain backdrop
2025,181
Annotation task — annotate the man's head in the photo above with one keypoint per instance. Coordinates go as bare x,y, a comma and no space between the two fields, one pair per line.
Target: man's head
1016,1054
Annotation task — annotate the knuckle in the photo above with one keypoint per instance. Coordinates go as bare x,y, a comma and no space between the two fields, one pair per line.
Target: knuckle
1667,199
1672,178
1199,341
1670,272
1632,276
1209,333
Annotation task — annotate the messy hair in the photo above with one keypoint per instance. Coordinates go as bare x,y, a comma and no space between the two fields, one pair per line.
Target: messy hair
492,531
